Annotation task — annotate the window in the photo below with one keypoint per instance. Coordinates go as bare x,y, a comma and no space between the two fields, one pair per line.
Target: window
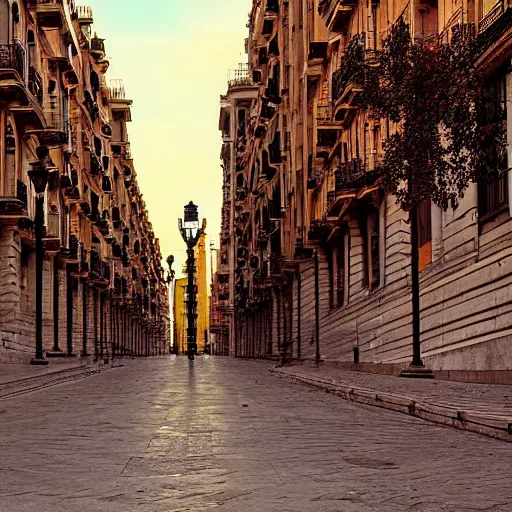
492,192
340,276
340,269
371,248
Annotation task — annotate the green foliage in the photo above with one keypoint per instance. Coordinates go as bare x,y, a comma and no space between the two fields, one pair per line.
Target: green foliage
434,95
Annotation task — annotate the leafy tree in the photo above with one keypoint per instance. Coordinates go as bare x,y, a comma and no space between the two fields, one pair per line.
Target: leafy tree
444,141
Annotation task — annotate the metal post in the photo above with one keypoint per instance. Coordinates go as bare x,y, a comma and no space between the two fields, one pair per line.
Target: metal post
317,307
69,310
191,322
113,330
95,312
84,318
39,227
101,323
56,347
415,288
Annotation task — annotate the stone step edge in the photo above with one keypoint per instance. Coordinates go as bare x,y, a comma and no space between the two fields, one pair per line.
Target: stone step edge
57,371
53,379
491,425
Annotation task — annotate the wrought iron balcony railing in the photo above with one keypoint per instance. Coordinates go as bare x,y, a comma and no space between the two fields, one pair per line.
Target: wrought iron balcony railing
239,77
349,172
12,56
491,16
117,91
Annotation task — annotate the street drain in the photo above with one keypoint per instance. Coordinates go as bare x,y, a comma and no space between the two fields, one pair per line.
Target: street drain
367,463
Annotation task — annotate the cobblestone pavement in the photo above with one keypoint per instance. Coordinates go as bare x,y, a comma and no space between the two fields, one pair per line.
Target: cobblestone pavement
160,435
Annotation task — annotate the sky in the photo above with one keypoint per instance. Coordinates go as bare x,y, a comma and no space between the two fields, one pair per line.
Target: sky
173,57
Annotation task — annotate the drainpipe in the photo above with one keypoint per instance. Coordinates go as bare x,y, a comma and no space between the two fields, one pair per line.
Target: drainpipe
84,318
69,309
56,347
95,306
102,304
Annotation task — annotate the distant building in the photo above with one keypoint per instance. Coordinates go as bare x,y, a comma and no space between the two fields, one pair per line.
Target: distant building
180,308
203,309
180,317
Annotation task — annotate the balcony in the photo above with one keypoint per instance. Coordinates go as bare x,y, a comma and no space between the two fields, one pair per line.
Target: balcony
348,79
12,58
240,77
317,56
318,50
336,13
327,128
85,15
14,208
97,48
50,13
356,174
71,253
51,240
272,8
492,16
99,270
319,231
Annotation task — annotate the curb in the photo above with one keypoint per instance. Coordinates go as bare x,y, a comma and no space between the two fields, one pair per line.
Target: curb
35,383
491,425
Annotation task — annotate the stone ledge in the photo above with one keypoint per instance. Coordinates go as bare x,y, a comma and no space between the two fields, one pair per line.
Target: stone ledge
29,384
488,424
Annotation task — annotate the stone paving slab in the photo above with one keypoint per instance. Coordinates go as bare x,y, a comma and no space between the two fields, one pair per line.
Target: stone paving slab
481,408
221,434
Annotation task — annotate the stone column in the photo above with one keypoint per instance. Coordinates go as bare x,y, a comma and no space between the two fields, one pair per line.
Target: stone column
10,292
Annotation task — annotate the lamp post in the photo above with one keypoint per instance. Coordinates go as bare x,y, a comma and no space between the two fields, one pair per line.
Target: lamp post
39,177
170,282
191,232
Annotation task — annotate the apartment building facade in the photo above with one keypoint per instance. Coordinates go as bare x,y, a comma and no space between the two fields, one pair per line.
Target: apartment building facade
104,291
317,255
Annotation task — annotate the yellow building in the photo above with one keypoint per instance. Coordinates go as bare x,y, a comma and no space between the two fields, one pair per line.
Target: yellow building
202,294
180,317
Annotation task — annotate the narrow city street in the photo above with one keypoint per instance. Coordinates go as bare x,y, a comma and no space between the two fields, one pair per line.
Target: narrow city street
224,434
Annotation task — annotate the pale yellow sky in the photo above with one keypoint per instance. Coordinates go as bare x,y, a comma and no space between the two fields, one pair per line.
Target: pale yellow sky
173,57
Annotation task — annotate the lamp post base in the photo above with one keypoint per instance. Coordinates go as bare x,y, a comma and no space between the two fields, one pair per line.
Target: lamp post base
39,362
417,372
56,353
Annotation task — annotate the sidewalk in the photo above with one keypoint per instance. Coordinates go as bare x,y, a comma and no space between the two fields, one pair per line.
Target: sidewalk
481,408
16,379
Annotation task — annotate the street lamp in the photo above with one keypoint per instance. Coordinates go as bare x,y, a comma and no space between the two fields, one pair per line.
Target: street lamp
191,232
39,177
170,283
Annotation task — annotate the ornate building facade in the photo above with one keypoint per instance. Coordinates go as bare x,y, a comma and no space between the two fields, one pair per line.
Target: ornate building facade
104,291
315,257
